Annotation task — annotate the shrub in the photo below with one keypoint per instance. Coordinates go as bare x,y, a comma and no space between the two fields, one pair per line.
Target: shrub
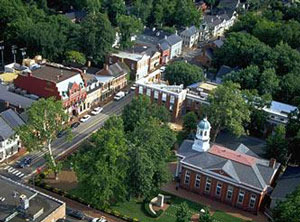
116,213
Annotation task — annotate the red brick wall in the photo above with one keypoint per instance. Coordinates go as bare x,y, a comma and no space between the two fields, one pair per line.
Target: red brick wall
37,86
212,193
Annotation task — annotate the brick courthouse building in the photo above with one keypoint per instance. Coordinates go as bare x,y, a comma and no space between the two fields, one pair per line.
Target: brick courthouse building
236,177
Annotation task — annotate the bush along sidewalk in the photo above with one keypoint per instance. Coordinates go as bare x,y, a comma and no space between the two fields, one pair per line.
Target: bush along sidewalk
39,183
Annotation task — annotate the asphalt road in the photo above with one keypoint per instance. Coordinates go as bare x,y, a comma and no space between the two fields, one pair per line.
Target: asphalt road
61,146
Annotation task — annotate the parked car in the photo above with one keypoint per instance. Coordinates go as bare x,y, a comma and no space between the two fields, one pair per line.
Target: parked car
85,118
101,219
162,69
63,220
61,134
133,87
75,213
25,162
75,125
119,95
97,110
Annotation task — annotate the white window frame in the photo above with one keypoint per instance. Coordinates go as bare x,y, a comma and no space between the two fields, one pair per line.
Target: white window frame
252,201
241,193
187,177
219,185
198,181
229,190
208,184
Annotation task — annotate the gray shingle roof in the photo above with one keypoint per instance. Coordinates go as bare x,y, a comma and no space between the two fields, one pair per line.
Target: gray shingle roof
190,31
287,183
12,118
174,39
14,98
5,130
257,175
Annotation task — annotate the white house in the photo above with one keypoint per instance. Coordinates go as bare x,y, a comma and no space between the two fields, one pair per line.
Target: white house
9,142
190,36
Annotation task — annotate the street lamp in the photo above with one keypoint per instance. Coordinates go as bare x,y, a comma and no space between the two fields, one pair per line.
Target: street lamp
14,52
23,52
2,58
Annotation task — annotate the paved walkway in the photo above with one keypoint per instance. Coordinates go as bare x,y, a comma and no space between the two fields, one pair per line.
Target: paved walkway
213,205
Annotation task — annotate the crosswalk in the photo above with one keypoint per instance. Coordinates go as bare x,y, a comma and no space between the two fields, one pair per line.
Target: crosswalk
14,171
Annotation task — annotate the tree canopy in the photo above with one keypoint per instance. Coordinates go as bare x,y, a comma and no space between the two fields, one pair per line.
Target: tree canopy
228,109
288,210
183,73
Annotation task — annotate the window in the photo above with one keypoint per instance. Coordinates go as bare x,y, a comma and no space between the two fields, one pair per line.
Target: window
201,133
229,192
205,133
218,189
241,197
208,185
187,177
197,181
252,201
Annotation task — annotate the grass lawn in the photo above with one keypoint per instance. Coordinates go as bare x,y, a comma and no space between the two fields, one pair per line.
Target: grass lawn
135,209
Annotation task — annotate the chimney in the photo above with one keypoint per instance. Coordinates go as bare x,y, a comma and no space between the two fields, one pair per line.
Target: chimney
24,202
7,104
106,66
166,37
272,163
153,29
176,32
186,28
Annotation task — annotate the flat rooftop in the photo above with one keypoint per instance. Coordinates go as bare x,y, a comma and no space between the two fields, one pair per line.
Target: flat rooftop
127,55
54,73
40,205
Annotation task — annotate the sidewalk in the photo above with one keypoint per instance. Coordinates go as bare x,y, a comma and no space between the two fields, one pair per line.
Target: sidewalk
214,205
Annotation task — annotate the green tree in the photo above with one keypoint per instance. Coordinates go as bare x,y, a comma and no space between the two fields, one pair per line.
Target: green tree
268,82
75,56
205,215
186,14
277,145
190,122
101,171
45,118
211,4
293,134
97,36
183,73
140,109
129,26
228,109
114,9
182,213
288,210
290,88
142,9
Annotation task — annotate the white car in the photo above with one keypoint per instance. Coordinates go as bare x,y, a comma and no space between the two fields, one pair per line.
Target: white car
85,118
101,219
162,69
97,110
119,95
133,87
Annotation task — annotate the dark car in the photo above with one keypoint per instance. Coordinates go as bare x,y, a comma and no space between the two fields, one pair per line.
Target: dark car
25,162
75,213
63,220
75,125
61,134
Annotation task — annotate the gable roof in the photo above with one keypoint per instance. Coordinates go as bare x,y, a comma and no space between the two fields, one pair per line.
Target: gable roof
240,166
190,31
5,130
12,118
115,70
173,39
224,70
287,183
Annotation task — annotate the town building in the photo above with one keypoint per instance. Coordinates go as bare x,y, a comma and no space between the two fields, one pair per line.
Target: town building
113,78
137,63
9,141
150,50
190,36
55,80
236,177
22,203
93,91
278,113
175,43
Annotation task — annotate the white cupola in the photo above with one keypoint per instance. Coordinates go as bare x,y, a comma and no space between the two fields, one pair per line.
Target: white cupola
202,139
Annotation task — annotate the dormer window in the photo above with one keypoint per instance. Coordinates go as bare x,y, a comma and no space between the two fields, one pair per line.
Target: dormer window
205,133
201,133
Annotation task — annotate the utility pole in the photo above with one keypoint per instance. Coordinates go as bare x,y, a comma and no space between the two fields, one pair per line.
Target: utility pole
14,52
2,57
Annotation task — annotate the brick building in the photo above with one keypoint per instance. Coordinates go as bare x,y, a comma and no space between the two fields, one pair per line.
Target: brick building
22,203
236,177
54,80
